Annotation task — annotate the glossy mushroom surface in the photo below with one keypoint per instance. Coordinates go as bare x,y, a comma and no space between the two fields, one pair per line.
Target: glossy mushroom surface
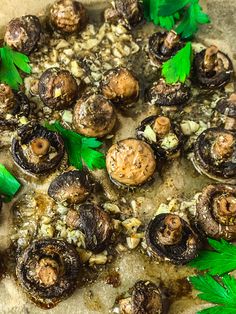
172,238
227,107
130,10
214,154
48,271
120,86
163,94
94,116
57,88
162,46
216,212
72,187
68,16
37,150
130,162
164,136
95,224
23,33
212,68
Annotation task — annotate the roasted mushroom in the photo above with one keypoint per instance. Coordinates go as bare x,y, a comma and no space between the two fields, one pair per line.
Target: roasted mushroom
37,150
129,10
130,163
212,68
214,154
13,104
48,271
120,86
145,298
164,136
163,45
216,212
171,238
68,16
72,187
23,33
94,116
227,107
163,94
95,224
58,88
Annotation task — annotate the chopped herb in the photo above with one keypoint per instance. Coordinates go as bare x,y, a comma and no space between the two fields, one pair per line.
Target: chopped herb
8,184
178,67
11,62
218,262
221,291
80,149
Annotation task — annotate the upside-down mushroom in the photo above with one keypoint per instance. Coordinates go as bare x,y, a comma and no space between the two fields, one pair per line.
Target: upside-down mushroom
216,211
212,68
172,238
47,271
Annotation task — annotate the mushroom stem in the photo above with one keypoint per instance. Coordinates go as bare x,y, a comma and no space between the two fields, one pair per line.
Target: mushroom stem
223,145
226,206
6,98
172,232
40,146
170,42
230,123
210,58
162,126
47,271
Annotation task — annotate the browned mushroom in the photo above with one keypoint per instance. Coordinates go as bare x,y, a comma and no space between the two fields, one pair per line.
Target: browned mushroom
227,107
216,212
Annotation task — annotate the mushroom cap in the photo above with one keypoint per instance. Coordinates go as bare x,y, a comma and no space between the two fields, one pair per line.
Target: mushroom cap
204,161
130,10
68,16
206,220
130,162
72,187
58,88
67,261
164,94
179,253
94,116
21,151
227,106
23,33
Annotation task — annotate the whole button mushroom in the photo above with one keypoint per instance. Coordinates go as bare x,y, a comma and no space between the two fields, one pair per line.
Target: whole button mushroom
23,33
212,68
58,88
171,238
164,94
94,116
216,212
120,86
68,16
130,163
47,271
214,154
130,10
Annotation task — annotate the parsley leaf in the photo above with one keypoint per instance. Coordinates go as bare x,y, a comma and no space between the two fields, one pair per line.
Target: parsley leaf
178,67
8,184
80,149
218,262
10,62
169,7
221,291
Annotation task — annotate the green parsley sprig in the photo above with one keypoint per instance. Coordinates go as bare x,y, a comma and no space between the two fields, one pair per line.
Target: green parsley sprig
80,149
8,184
10,63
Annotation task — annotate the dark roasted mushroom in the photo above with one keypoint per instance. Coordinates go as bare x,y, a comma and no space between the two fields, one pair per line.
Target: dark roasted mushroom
162,135
37,150
145,298
227,107
95,224
163,46
120,86
214,154
216,212
72,187
130,163
94,116
58,88
68,16
163,94
23,33
14,104
48,271
212,68
129,10
171,237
